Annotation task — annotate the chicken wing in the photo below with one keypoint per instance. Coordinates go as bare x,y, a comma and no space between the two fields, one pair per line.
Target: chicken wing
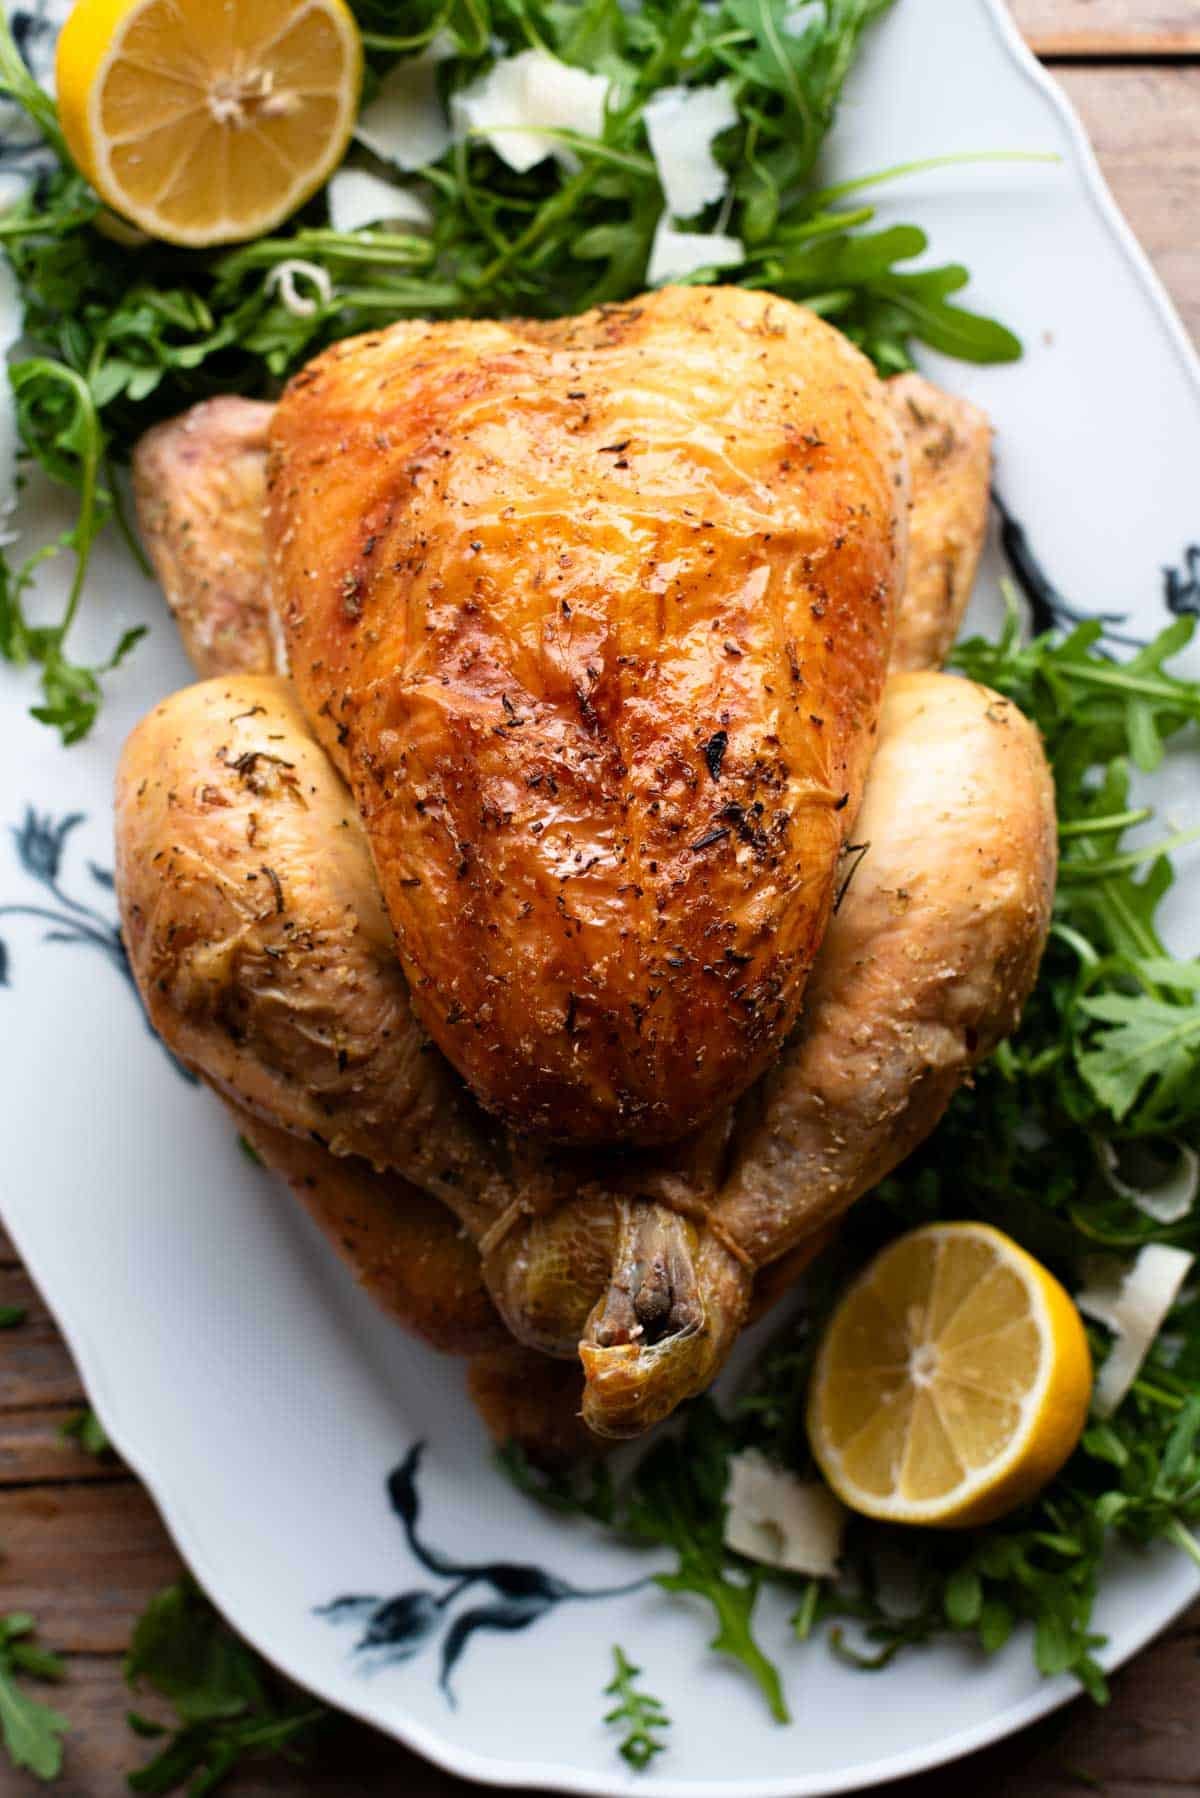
199,484
949,443
595,616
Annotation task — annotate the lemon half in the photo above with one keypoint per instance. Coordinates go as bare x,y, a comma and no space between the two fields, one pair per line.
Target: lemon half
208,121
952,1382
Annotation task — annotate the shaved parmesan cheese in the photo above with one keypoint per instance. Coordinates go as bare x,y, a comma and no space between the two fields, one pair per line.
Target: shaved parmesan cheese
10,331
521,98
406,123
676,254
1166,1201
357,198
777,1518
681,123
1132,1301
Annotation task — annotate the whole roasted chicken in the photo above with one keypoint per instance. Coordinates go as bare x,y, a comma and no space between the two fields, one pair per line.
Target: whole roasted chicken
612,892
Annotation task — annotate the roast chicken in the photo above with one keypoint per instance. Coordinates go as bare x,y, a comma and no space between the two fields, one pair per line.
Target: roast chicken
537,927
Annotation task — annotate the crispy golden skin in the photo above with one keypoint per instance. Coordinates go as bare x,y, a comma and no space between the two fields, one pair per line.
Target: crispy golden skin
199,483
200,486
949,443
595,614
404,1247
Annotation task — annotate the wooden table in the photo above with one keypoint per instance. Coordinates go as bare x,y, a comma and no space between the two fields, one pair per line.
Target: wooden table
83,1546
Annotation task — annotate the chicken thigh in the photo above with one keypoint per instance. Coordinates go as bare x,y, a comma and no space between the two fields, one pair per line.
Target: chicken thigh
199,485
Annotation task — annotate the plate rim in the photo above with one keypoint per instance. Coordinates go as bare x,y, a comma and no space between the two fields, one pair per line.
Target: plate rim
556,1776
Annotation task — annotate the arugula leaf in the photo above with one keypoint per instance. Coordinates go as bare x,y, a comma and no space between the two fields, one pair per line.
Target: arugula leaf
678,1499
231,1706
56,411
31,1731
643,1717
1150,1041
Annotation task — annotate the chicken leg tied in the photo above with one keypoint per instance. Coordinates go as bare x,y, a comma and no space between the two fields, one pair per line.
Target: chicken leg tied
923,970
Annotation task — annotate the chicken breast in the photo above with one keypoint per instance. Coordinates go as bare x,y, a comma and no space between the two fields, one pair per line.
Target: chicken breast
199,487
595,615
949,443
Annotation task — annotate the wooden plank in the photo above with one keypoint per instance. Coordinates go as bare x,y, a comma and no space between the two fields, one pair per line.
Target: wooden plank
1143,123
1151,28
33,1450
347,1761
35,1369
85,1559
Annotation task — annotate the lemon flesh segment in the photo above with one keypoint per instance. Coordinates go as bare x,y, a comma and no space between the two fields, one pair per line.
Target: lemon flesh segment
208,121
952,1382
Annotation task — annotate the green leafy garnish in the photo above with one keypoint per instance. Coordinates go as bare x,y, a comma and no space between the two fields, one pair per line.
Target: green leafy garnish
85,1428
678,1499
31,1731
641,1716
231,1707
11,1316
125,337
583,1492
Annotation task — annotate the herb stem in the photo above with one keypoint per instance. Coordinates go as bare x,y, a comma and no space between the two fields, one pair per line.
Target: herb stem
1090,827
1121,864
1183,1538
900,170
558,207
805,1617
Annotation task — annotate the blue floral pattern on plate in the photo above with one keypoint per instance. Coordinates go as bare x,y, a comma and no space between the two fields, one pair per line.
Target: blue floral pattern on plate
397,1628
41,841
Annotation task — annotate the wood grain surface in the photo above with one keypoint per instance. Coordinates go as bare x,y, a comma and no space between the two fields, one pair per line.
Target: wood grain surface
1125,28
82,1545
